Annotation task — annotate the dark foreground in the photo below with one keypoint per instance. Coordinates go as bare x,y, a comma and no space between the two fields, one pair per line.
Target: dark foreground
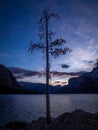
76,120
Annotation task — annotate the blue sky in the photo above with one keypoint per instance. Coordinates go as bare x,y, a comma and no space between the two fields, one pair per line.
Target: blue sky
78,24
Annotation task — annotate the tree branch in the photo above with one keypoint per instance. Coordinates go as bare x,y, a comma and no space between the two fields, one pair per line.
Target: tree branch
57,42
36,47
59,51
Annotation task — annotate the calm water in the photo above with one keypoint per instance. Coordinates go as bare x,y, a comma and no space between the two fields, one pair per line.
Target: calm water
29,107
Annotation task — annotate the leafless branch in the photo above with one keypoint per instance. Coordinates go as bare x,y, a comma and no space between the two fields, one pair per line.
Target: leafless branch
59,51
57,42
36,47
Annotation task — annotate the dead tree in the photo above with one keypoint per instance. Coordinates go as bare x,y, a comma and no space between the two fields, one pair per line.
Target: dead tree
53,48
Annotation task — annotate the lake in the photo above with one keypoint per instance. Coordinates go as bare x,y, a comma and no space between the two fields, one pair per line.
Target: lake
29,107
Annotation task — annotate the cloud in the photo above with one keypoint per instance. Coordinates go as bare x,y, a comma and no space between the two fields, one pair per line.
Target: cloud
57,82
79,55
80,29
88,62
28,74
65,66
60,83
56,73
20,73
19,76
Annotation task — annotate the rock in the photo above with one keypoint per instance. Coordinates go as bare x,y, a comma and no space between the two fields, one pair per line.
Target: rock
76,120
16,125
37,124
97,115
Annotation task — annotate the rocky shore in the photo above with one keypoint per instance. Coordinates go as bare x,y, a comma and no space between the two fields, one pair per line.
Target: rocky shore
76,120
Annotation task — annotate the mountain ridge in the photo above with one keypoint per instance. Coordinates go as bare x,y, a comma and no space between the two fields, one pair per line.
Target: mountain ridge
85,83
8,83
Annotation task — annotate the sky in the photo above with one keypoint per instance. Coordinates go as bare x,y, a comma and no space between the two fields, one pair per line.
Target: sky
78,25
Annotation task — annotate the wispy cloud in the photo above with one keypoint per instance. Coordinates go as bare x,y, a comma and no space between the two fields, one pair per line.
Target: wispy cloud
56,73
56,77
22,73
81,54
62,83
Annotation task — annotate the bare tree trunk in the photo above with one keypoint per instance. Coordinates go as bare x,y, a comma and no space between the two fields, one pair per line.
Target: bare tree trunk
52,48
47,77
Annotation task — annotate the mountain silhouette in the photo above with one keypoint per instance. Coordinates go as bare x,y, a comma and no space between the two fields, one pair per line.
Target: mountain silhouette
86,83
8,83
39,87
7,80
